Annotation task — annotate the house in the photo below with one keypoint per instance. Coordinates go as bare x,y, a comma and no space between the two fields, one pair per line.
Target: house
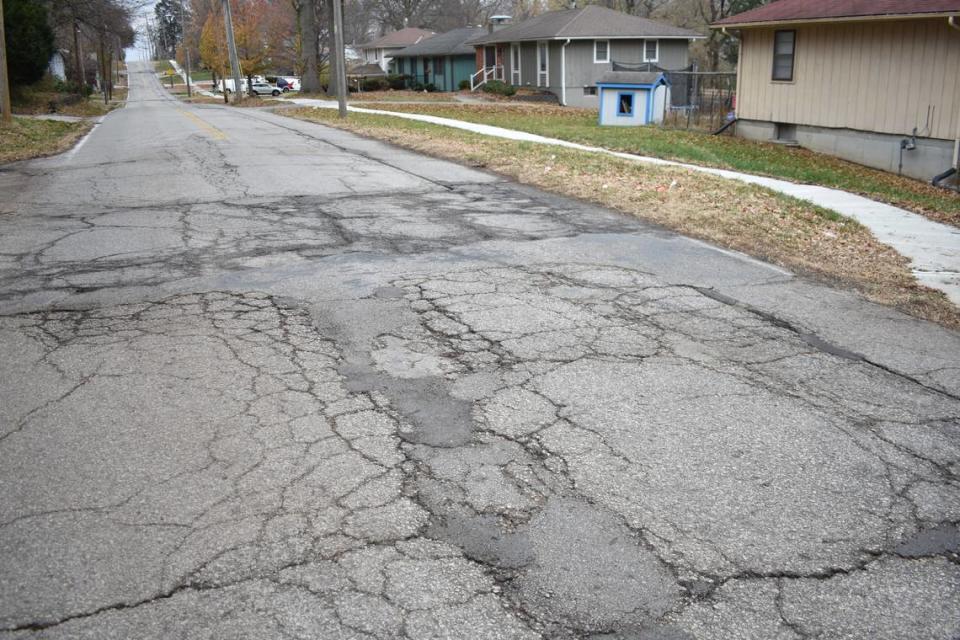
566,52
381,50
57,67
443,60
631,98
872,81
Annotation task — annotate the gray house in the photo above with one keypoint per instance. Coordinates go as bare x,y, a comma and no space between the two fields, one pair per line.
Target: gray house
566,52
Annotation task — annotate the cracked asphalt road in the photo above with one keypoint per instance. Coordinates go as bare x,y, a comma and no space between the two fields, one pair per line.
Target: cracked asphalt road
264,379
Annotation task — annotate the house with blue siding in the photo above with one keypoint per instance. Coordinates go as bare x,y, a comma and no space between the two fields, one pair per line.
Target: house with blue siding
443,60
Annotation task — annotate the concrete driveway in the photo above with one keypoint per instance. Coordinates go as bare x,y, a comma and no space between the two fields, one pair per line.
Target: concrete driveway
264,379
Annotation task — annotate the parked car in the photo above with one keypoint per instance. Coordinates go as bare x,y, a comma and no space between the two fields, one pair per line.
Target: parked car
284,85
264,89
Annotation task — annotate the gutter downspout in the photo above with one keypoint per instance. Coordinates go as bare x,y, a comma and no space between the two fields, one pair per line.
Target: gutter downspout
563,73
954,22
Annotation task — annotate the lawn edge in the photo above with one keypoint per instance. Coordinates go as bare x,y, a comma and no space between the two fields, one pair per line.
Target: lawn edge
948,318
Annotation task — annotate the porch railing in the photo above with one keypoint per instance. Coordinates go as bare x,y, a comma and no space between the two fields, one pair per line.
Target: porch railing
484,75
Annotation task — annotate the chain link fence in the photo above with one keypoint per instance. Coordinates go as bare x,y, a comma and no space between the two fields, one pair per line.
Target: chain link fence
698,99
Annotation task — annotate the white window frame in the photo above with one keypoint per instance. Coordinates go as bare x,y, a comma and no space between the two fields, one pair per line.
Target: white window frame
516,77
656,55
597,60
546,63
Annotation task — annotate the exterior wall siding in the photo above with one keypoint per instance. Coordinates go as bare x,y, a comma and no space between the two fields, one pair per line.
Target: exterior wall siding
528,64
883,77
581,70
455,69
672,54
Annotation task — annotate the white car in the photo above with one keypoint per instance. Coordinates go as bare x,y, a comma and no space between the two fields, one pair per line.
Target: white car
264,89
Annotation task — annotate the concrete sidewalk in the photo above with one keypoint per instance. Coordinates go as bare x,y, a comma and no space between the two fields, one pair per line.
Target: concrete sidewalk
193,85
933,248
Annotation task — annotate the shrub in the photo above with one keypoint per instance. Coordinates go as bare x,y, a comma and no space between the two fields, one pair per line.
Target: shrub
464,85
500,88
430,87
397,82
374,84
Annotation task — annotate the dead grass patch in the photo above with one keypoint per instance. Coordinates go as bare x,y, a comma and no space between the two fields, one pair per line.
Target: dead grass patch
27,138
726,152
781,230
397,95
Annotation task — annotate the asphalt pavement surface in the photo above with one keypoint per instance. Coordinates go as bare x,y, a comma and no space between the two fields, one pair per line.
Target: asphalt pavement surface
266,379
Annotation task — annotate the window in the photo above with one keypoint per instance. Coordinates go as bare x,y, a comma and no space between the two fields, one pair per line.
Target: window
438,66
651,50
515,64
625,104
543,64
601,51
589,91
784,44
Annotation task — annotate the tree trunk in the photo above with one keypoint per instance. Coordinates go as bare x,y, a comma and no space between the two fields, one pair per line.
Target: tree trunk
331,53
309,46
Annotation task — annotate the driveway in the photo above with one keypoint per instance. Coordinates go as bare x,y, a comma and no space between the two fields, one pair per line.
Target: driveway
265,379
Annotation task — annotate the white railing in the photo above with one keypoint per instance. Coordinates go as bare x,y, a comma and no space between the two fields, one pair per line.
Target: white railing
484,75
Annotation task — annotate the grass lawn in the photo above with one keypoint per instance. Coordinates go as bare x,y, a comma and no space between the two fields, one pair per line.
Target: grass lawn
798,165
162,65
770,226
31,138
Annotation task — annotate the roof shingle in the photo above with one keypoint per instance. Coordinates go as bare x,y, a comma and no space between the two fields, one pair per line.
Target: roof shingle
591,21
402,38
805,10
451,43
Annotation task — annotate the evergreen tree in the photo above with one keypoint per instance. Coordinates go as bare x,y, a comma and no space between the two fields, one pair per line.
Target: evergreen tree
29,40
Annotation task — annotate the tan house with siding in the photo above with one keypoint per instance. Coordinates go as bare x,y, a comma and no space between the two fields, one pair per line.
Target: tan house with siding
872,81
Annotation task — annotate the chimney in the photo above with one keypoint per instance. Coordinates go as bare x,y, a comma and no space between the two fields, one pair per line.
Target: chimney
498,22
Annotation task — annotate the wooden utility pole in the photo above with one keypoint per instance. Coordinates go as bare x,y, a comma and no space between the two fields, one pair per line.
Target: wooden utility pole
7,116
232,49
186,47
341,70
78,57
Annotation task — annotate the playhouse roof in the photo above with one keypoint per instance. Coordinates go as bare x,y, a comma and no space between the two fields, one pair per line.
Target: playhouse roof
646,78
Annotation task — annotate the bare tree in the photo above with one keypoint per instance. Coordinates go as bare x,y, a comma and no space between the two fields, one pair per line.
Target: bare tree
393,15
306,11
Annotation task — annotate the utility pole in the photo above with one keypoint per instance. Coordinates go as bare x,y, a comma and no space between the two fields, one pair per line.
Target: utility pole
341,75
7,117
232,49
186,47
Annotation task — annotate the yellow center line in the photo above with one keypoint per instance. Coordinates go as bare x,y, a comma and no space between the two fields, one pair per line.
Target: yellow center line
203,124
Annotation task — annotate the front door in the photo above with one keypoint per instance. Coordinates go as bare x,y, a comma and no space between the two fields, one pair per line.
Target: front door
490,57
426,70
515,64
